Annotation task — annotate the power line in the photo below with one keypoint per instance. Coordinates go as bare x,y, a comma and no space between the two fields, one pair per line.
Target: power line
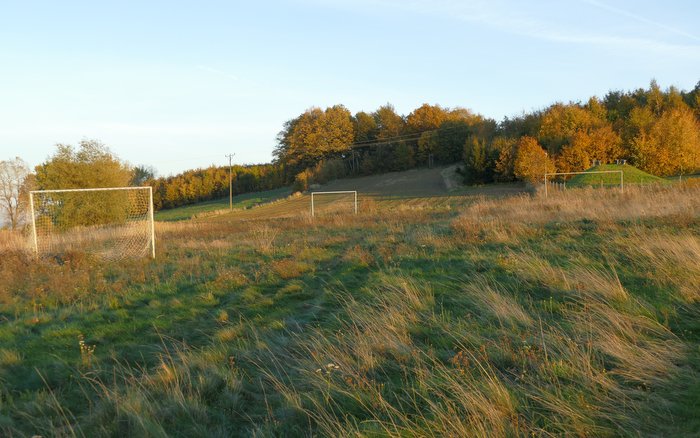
186,159
398,138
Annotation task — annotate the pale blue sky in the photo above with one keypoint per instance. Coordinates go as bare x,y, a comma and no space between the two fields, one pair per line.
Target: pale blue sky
179,84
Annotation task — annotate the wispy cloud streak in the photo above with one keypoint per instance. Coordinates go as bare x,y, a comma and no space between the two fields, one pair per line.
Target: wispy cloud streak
506,17
642,19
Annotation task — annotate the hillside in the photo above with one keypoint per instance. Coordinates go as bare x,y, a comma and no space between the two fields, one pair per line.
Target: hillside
632,175
394,190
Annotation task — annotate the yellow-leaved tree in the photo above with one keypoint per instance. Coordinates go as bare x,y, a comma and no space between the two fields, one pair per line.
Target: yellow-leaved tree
671,145
426,117
531,161
91,165
575,157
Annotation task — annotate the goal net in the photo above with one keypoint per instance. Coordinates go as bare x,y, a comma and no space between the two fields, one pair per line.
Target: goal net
111,223
339,202
559,181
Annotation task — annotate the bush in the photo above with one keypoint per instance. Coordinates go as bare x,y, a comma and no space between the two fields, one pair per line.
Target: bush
302,181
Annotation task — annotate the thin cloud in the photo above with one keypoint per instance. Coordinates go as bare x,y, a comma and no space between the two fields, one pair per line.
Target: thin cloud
641,19
504,17
497,16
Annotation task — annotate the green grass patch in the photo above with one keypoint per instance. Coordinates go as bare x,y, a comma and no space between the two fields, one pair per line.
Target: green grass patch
244,201
632,175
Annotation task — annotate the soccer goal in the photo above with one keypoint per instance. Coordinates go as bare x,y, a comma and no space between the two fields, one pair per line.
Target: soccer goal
334,202
605,179
111,223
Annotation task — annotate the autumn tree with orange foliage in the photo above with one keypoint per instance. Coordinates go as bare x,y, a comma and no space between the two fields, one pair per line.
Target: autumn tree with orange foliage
671,145
366,128
575,157
389,122
560,123
532,162
602,144
315,135
426,117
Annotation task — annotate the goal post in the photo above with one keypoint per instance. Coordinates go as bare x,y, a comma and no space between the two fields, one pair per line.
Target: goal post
555,174
353,194
112,223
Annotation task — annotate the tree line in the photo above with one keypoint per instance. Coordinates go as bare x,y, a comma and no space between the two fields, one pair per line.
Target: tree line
324,144
653,129
213,183
656,130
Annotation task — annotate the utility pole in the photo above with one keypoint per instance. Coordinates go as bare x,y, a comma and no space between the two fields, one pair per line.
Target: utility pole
546,157
230,181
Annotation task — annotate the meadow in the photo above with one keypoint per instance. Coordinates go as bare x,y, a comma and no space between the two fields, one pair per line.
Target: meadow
458,315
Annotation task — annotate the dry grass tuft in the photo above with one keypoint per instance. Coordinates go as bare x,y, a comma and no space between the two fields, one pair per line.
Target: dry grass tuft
13,241
9,357
671,260
263,237
289,268
635,347
359,256
497,302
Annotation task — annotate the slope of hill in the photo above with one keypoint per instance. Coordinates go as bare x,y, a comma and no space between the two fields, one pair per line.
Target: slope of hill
632,175
406,184
244,201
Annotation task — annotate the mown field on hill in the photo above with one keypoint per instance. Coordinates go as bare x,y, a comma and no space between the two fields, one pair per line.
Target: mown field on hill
416,187
481,312
219,206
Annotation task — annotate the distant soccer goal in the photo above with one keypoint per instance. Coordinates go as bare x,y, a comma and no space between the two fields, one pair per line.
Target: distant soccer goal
608,178
337,202
111,223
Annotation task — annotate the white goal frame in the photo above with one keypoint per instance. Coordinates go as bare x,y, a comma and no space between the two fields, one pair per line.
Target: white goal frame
313,211
102,189
622,177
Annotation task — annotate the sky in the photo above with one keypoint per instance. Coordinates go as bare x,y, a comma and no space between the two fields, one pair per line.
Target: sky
178,85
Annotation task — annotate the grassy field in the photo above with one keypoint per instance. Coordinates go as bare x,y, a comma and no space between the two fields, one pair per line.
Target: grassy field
244,201
487,313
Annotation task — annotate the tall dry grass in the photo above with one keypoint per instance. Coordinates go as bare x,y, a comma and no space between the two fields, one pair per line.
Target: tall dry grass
511,216
672,260
13,241
588,373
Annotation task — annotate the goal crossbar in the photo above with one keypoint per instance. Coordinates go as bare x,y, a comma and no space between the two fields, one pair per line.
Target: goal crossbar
91,190
337,192
620,172
150,210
